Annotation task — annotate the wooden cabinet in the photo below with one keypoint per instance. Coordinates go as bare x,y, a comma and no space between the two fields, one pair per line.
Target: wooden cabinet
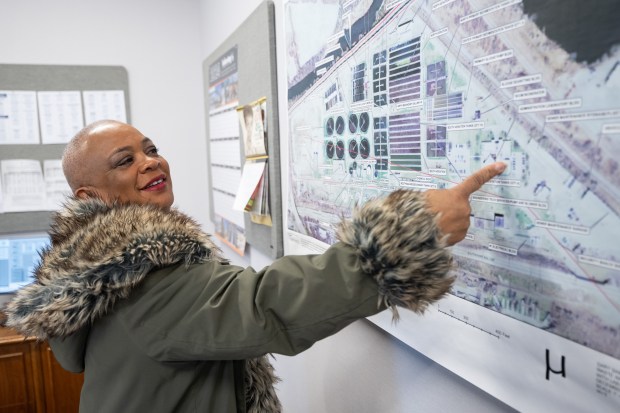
20,380
32,381
62,388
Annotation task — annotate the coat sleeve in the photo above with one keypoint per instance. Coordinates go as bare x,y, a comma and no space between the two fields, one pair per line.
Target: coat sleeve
69,350
390,254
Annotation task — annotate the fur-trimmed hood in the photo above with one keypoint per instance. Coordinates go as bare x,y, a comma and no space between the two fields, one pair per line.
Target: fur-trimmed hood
97,255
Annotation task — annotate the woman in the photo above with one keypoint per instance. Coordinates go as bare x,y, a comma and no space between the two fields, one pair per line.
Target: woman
134,294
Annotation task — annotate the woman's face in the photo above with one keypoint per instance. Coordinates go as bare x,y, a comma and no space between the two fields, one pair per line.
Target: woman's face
123,165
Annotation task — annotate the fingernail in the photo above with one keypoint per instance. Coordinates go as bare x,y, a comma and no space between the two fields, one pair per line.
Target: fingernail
500,167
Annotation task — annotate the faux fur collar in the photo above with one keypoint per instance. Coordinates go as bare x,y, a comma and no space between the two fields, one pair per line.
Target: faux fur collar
97,255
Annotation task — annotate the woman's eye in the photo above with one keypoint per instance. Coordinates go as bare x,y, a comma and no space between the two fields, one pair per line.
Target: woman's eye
152,150
125,161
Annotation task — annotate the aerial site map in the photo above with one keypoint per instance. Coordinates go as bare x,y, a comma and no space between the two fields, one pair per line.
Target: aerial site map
420,94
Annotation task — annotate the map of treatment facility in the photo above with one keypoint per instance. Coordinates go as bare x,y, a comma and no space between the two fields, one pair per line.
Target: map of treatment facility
420,94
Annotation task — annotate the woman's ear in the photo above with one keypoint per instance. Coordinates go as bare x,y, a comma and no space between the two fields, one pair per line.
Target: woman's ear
85,192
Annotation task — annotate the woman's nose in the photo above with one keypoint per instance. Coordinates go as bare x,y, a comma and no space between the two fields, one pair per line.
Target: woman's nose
150,163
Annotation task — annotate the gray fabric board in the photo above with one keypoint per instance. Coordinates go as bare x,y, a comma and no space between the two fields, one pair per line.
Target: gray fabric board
51,78
255,41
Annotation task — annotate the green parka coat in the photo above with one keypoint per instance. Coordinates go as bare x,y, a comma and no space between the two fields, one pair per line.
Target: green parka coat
141,301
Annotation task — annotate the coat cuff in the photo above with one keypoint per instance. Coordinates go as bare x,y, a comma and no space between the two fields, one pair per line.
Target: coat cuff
400,245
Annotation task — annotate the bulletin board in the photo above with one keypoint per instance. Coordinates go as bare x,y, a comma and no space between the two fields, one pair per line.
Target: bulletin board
252,48
16,77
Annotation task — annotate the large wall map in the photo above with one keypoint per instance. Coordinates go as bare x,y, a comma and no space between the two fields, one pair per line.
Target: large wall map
419,94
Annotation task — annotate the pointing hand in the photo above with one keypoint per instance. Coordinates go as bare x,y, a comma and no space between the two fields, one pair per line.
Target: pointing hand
453,206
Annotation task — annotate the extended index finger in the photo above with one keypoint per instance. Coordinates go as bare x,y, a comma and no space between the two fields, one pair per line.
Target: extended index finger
475,181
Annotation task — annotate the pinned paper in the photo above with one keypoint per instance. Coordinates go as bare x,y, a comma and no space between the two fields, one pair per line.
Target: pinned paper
251,177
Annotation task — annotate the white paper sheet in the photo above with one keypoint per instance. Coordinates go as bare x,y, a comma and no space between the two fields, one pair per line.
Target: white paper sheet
226,179
60,115
56,187
104,104
226,153
225,157
22,186
223,206
250,178
224,125
19,120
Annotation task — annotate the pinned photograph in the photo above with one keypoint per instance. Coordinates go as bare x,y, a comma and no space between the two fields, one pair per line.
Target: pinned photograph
251,120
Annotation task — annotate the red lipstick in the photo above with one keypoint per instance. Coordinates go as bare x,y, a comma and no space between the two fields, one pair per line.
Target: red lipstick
156,184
